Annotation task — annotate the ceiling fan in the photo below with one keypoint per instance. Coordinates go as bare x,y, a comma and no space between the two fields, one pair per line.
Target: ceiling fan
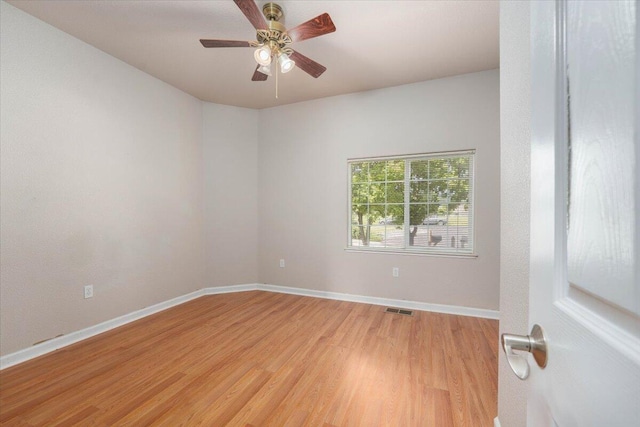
274,40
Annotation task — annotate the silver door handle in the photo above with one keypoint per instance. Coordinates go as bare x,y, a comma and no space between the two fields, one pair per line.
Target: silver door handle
535,344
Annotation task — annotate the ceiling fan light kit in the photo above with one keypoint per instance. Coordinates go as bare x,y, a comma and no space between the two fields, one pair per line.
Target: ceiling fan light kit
273,40
263,55
286,64
265,69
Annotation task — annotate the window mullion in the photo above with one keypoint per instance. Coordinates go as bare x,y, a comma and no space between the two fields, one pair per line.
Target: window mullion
407,193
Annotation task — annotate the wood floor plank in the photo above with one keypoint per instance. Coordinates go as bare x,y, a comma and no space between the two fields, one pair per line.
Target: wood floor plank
256,358
296,419
259,407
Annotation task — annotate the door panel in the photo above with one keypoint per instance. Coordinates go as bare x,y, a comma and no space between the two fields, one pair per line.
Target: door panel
600,55
584,287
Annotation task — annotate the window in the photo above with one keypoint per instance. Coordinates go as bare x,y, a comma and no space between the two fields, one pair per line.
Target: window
421,203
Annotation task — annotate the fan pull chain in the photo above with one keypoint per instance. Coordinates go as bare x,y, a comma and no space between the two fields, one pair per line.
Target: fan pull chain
276,67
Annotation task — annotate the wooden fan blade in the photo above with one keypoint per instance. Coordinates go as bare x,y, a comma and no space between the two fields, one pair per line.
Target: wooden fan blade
258,76
308,65
253,14
318,26
224,43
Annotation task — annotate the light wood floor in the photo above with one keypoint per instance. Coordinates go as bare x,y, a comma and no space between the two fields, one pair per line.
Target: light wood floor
258,359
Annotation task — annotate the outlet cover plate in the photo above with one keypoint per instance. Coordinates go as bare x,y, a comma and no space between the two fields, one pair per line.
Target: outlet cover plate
88,291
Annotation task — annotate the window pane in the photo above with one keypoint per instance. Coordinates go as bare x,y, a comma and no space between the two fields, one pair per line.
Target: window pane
458,190
359,235
377,235
459,215
434,215
439,168
355,240
387,219
418,236
395,192
370,218
359,193
377,171
376,213
359,213
396,214
459,229
360,172
419,192
418,213
460,167
435,209
438,190
419,170
434,236
377,193
394,237
395,170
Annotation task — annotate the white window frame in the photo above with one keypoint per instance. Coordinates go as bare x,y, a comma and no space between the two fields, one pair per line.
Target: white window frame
416,250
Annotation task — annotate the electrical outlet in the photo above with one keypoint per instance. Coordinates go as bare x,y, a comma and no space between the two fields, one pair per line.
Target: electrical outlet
395,271
88,291
281,263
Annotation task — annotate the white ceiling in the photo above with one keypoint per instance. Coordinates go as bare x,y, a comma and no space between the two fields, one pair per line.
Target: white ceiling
377,43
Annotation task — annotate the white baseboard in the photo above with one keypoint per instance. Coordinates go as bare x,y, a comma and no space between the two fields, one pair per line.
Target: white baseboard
411,305
496,422
72,338
229,289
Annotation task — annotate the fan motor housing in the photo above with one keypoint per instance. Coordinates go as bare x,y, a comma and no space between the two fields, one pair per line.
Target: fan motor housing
272,12
276,26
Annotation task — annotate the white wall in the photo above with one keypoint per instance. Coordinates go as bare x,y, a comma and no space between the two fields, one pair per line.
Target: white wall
515,119
112,178
101,183
303,152
230,194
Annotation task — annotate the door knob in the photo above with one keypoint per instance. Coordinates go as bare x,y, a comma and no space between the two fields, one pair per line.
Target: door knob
536,344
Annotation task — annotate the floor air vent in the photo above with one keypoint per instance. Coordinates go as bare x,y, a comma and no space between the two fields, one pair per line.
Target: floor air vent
399,311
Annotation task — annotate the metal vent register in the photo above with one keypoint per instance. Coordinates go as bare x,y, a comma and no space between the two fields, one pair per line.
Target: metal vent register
399,311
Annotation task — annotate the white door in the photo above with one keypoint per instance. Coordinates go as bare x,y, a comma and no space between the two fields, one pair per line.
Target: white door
585,198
